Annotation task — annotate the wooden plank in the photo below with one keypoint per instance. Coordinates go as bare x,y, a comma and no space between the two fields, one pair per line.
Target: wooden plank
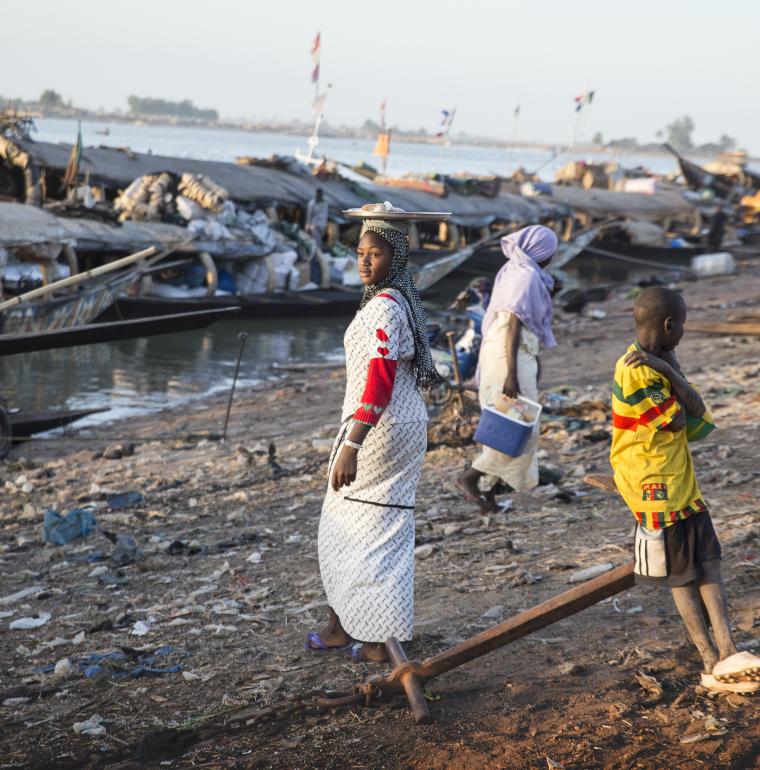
545,614
748,328
603,481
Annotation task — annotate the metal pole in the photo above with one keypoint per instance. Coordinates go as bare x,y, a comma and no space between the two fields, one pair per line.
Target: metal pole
242,336
455,364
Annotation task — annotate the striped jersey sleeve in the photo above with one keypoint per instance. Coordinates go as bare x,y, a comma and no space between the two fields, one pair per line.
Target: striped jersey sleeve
642,397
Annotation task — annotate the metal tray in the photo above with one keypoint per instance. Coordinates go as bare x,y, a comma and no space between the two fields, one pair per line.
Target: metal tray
416,216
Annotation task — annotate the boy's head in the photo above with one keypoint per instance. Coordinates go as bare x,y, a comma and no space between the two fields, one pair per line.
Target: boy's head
660,316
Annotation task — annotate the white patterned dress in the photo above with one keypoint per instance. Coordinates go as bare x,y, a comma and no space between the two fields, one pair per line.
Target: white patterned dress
366,531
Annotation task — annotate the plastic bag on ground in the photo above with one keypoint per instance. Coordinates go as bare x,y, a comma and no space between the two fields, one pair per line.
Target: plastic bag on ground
60,530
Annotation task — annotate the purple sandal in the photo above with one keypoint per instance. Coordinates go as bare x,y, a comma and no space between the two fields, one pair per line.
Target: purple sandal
314,643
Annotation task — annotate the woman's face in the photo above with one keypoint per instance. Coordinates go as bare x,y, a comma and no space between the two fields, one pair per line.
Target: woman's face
374,258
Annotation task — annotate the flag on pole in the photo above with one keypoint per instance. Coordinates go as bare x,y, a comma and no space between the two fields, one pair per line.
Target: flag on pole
382,113
72,167
447,118
583,99
315,52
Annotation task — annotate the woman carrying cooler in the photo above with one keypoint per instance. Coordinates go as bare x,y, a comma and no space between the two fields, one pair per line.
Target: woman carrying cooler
366,531
517,323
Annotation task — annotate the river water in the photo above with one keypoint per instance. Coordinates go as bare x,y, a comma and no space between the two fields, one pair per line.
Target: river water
143,375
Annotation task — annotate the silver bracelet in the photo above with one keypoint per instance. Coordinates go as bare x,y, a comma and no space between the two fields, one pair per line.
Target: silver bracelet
352,444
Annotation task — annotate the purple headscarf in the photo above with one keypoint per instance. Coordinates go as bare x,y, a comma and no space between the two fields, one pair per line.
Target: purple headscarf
521,287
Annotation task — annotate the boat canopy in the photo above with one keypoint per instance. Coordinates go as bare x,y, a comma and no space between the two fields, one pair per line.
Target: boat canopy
266,185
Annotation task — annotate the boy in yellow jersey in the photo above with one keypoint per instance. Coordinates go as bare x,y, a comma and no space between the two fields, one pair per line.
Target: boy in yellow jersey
653,409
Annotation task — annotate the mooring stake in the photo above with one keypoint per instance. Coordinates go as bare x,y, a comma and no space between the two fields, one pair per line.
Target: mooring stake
242,336
457,372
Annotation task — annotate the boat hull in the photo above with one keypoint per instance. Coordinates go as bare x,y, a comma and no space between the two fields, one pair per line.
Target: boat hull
91,334
59,312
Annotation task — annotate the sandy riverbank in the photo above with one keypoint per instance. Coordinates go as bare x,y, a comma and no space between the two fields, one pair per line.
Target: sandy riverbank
227,585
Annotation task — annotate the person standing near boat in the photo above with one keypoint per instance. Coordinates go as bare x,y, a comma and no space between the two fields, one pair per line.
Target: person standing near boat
716,229
316,217
366,530
517,323
316,223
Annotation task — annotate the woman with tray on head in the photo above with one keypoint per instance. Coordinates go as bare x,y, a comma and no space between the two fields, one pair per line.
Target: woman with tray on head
517,323
366,530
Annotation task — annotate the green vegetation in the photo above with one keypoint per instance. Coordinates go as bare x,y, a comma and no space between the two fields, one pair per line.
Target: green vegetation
163,107
679,133
51,100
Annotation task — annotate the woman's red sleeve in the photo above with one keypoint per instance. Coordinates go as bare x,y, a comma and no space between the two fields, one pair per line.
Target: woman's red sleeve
383,359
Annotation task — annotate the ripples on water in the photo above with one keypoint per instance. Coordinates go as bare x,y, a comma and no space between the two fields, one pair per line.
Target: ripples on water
142,375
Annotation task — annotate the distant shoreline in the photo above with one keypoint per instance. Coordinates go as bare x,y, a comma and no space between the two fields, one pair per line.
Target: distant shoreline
348,133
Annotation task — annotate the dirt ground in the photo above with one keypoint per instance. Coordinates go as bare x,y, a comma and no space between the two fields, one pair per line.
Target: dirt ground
208,621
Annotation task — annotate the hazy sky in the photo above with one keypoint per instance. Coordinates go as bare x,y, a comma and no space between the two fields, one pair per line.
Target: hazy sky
649,61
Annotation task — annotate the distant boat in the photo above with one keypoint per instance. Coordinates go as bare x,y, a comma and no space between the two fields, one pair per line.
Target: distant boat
104,131
698,178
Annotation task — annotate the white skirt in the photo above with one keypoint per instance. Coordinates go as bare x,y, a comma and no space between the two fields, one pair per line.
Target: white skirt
521,473
366,534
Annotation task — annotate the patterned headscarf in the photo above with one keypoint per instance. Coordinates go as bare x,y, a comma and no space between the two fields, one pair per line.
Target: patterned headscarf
400,278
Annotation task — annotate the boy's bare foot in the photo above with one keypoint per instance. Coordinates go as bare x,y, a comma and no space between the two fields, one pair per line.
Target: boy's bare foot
370,652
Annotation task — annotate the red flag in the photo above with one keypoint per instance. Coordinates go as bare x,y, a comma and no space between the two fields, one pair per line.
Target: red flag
315,50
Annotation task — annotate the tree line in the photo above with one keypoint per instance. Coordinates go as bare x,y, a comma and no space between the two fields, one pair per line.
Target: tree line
139,105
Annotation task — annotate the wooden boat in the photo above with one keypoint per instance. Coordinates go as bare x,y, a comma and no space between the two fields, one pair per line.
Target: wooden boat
61,312
25,424
658,256
488,259
317,302
90,334
698,178
15,424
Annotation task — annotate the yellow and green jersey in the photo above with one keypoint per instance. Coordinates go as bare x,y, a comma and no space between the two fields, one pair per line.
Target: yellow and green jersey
652,463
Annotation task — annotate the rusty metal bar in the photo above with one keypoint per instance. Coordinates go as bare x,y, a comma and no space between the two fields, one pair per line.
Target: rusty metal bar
410,683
